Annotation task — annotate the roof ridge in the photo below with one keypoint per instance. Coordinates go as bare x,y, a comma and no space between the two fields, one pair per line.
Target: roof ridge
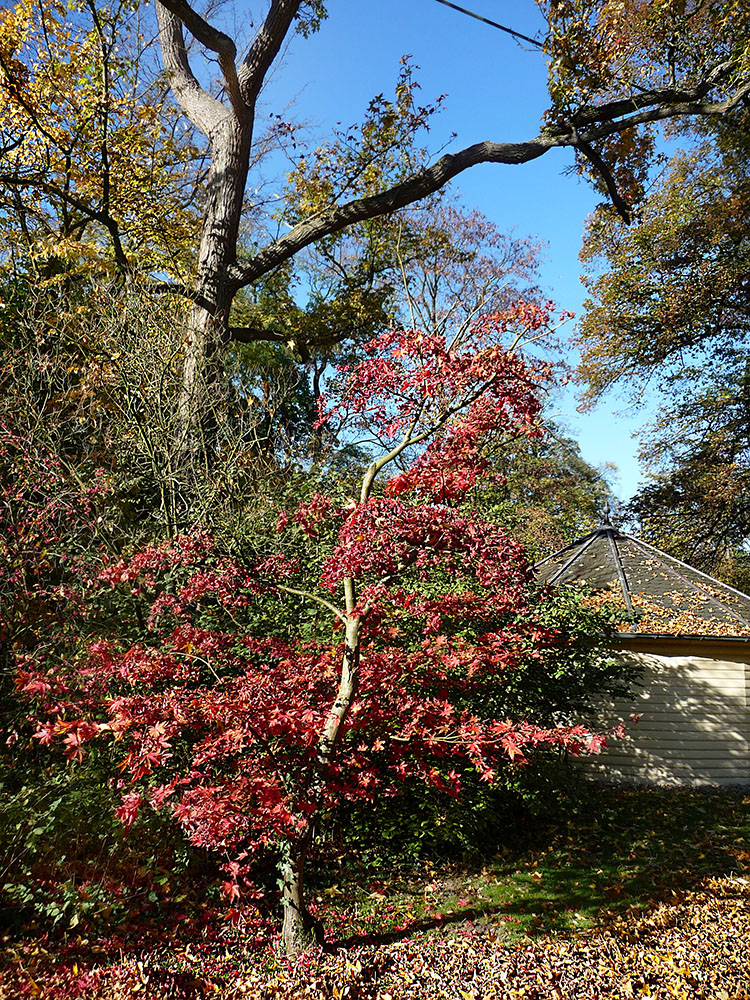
566,548
610,533
601,529
579,552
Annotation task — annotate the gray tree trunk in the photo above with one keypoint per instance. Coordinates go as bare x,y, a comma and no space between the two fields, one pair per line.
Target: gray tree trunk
202,390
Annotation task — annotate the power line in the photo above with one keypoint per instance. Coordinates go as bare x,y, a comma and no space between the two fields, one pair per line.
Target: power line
494,24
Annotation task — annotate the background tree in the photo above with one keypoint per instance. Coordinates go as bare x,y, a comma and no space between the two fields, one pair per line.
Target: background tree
546,494
668,308
694,503
613,67
100,177
435,267
672,286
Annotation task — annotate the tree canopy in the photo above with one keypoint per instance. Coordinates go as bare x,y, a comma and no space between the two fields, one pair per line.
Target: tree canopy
614,71
672,286
668,309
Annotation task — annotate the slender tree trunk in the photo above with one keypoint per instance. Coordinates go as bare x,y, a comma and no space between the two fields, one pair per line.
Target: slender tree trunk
300,930
317,434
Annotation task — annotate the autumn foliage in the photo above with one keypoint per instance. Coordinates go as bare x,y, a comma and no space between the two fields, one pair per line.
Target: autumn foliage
247,732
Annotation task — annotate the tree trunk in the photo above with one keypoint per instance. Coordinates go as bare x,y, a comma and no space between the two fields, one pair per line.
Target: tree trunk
202,392
300,930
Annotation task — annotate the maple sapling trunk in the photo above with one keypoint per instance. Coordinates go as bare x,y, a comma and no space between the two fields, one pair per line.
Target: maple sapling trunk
300,930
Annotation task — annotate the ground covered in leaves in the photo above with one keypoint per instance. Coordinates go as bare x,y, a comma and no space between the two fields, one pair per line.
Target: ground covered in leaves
649,897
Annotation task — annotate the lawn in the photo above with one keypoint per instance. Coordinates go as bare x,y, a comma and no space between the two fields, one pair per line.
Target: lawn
639,893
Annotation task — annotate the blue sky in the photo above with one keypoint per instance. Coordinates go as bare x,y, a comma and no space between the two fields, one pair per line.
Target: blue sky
496,90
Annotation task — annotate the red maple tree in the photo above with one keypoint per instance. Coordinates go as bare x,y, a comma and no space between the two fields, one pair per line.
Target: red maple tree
247,732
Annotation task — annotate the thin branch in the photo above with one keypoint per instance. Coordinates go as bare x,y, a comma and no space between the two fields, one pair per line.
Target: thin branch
107,218
9,145
624,210
100,215
410,439
15,181
18,93
308,595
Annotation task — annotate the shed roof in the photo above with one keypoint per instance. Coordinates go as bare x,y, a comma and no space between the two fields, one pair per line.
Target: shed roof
661,594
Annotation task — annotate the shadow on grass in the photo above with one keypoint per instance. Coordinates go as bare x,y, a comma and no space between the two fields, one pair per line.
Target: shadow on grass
414,927
625,852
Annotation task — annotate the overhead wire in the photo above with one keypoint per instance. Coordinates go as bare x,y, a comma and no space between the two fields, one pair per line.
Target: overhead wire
493,24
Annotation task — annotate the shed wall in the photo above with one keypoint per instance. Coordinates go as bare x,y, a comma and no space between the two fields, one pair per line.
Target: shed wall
695,720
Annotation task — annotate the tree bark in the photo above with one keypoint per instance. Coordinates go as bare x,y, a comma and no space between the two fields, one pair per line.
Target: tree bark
300,930
208,321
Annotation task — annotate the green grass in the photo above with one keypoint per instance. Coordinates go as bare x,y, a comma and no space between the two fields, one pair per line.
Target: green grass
621,850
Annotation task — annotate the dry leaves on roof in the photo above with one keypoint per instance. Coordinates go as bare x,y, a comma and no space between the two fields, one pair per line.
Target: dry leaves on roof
682,616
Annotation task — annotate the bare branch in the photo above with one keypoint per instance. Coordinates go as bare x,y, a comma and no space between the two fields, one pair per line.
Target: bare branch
427,181
313,597
623,208
299,345
606,120
177,288
254,334
590,114
9,145
36,181
266,47
410,438
204,32
657,114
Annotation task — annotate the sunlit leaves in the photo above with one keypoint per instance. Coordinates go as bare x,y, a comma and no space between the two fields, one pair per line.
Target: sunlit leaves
364,158
99,174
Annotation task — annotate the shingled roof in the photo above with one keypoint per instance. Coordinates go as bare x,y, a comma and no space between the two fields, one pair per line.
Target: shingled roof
660,594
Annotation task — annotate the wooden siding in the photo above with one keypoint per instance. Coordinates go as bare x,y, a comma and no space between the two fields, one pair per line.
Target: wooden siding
694,702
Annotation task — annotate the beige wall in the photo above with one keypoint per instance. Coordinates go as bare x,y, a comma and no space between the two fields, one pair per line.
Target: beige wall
695,707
